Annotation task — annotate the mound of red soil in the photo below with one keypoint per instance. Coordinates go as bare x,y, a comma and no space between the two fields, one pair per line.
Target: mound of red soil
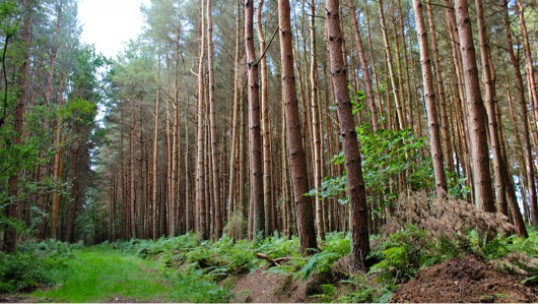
466,279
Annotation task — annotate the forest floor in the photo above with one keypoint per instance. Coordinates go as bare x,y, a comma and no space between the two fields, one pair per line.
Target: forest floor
101,274
183,269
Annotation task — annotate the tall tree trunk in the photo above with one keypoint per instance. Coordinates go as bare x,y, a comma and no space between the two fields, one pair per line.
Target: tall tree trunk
256,166
58,168
296,153
475,109
233,187
388,54
445,132
200,163
489,87
429,96
316,134
533,94
216,203
520,91
132,192
364,65
266,134
154,165
356,190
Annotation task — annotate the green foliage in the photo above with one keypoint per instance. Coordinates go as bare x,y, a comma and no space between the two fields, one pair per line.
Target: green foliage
9,14
334,248
31,265
386,154
78,112
328,294
457,187
215,260
501,246
401,255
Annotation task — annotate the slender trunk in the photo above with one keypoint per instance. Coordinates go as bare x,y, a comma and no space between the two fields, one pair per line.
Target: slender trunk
58,168
266,134
445,133
132,192
429,96
155,164
489,87
216,203
200,163
533,94
232,183
364,65
256,166
388,54
528,168
316,134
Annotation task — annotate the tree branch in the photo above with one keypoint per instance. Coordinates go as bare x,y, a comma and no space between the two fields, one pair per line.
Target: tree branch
267,47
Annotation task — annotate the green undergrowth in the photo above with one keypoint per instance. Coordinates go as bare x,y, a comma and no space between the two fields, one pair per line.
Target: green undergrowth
218,260
402,254
396,257
187,269
99,274
31,265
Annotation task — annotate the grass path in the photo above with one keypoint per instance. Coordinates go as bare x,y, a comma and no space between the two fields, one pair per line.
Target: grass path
101,274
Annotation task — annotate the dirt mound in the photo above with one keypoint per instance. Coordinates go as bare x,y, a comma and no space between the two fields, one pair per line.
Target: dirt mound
266,287
466,279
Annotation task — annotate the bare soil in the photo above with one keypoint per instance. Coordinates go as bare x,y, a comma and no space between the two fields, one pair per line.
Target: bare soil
467,279
267,287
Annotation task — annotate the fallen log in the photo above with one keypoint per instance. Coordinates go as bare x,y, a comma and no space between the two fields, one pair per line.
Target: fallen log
275,262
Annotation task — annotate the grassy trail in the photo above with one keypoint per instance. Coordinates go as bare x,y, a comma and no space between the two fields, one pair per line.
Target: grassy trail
101,274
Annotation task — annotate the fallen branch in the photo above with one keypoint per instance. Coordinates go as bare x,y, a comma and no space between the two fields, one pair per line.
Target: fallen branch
275,262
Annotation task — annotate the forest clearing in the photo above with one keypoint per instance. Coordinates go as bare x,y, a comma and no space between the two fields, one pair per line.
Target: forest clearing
269,151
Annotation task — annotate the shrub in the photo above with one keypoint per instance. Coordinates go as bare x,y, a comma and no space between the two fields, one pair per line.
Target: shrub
30,265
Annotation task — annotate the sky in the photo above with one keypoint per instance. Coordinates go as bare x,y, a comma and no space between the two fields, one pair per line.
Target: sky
109,24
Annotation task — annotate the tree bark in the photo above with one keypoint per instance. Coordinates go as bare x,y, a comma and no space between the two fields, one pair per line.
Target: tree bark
429,96
364,66
296,153
316,134
266,134
154,197
444,124
520,91
233,187
475,109
255,149
388,54
216,203
200,163
356,190
533,94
